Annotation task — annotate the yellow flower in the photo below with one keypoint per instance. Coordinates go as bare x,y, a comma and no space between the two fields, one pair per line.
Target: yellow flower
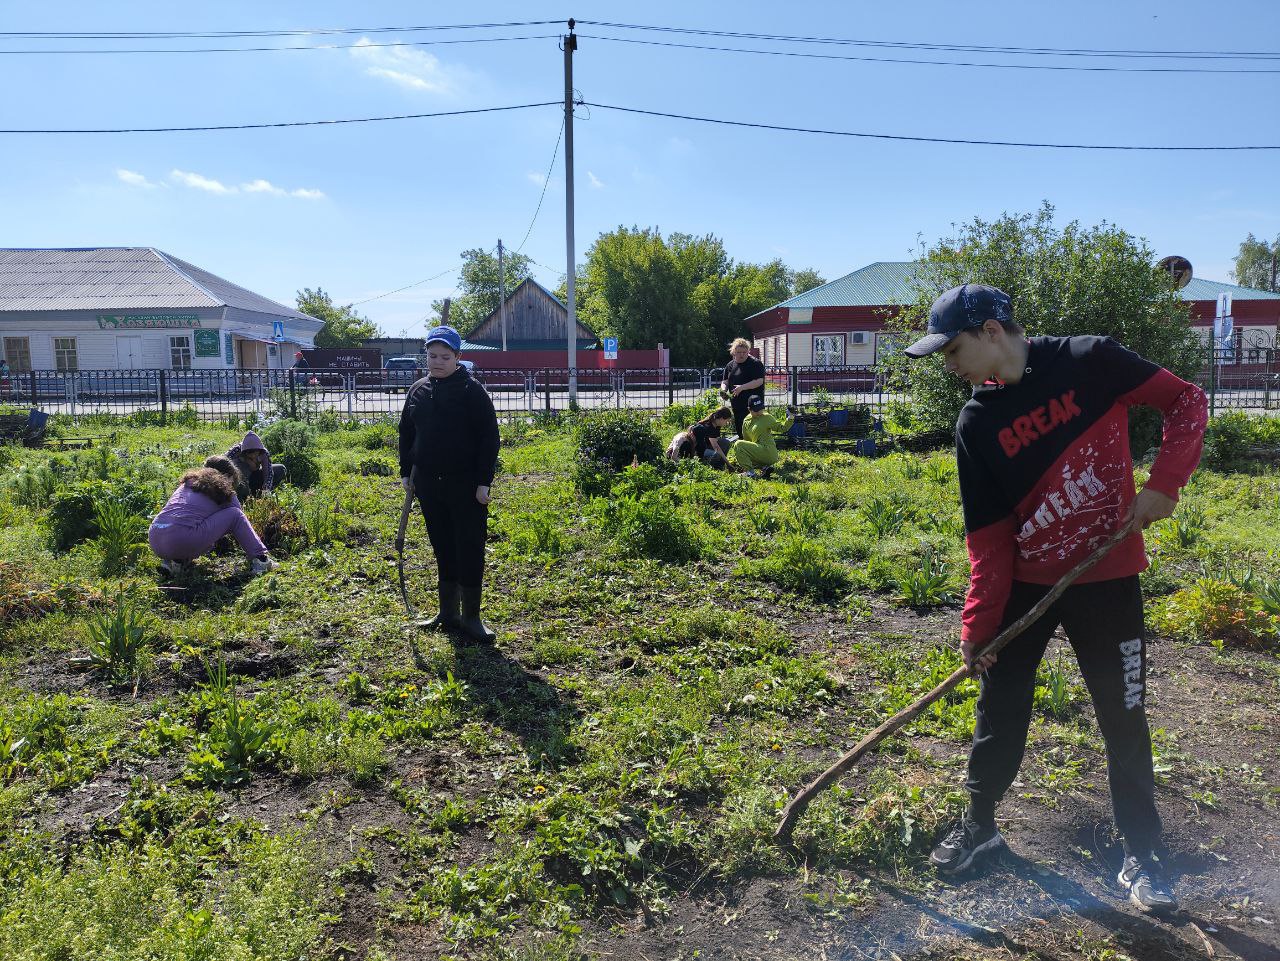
539,789
776,747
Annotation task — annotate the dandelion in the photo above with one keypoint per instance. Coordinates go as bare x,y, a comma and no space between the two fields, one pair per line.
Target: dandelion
539,789
775,747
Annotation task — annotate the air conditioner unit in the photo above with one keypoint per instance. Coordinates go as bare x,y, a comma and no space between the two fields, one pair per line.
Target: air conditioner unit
858,337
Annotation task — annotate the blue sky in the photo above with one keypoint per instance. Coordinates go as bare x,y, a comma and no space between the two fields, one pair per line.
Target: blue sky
363,209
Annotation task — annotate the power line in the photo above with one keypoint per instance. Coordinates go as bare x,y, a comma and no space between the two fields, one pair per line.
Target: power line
936,63
949,47
917,139
416,283
546,180
323,46
219,34
291,123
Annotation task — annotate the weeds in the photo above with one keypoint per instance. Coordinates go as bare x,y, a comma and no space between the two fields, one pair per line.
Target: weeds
929,585
117,641
802,566
122,536
887,516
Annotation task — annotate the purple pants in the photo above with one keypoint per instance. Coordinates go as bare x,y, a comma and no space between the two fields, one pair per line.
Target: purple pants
179,542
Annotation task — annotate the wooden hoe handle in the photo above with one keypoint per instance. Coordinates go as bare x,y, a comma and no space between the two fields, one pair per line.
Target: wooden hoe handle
801,801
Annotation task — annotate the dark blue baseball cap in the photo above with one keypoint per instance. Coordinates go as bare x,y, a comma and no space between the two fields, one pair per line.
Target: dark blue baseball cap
447,336
961,308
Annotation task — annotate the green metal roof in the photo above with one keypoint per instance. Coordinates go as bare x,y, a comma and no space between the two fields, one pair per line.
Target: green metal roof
1199,289
886,282
890,282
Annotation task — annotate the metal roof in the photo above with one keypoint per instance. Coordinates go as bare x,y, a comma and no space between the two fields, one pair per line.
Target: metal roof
884,282
890,282
118,278
1199,289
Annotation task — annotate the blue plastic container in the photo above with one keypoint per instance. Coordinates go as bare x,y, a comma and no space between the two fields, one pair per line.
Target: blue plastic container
838,418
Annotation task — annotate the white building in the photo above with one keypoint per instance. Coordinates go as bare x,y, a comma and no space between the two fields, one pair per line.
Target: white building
136,308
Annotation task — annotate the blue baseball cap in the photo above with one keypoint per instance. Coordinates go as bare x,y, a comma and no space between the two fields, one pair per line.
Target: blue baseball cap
447,336
959,309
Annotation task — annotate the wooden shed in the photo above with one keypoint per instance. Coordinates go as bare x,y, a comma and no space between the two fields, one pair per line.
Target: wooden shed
536,320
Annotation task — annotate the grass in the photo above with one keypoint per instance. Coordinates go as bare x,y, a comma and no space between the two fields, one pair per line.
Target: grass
677,652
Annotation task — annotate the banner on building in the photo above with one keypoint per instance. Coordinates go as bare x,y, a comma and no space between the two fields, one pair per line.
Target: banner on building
147,322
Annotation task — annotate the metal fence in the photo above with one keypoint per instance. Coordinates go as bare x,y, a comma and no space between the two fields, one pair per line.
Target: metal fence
216,395
1246,376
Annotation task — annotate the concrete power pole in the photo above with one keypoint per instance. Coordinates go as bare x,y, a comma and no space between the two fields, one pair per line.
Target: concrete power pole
570,45
502,297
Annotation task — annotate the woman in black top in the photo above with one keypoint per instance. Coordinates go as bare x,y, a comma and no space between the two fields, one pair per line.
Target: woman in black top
448,456
743,379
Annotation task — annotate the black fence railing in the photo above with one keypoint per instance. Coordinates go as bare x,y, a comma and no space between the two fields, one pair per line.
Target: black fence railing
225,394
1245,377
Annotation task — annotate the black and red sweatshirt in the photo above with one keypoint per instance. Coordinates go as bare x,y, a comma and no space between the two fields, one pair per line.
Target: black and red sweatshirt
1045,468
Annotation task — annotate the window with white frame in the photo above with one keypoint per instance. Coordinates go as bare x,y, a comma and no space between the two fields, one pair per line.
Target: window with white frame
180,352
17,351
828,350
64,353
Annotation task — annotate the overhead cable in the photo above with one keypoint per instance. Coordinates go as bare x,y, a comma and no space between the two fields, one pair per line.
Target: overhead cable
921,139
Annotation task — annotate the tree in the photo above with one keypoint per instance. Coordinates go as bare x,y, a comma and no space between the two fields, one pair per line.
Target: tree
343,327
478,283
1072,280
1258,264
806,279
683,291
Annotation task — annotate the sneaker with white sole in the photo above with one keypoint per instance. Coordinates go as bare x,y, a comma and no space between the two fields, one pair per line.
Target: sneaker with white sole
172,568
1149,892
967,840
260,565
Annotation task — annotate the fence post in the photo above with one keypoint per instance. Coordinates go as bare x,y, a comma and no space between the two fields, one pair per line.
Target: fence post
1213,376
293,394
546,385
35,401
795,387
671,388
164,398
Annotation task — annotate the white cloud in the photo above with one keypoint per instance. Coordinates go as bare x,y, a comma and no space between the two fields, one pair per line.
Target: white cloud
536,178
262,187
408,67
256,186
133,178
199,182
595,181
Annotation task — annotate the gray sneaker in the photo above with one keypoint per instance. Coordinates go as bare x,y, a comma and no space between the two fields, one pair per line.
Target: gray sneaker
963,845
1148,890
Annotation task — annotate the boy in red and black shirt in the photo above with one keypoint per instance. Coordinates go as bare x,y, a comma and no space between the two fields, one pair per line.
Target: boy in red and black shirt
1045,477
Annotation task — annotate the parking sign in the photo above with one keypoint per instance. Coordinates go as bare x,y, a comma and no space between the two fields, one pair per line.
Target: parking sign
611,348
277,330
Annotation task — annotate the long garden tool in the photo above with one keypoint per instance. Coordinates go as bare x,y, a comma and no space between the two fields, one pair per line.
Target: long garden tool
792,812
405,510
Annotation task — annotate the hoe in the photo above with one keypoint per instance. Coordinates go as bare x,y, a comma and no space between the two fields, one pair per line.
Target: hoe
793,810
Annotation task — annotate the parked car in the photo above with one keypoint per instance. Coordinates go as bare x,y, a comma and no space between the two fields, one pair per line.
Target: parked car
399,373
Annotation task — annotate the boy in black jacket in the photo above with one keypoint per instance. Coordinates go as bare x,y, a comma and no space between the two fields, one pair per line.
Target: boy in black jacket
1046,476
448,456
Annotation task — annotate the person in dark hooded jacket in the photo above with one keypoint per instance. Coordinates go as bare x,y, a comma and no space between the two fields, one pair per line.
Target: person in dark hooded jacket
258,474
448,456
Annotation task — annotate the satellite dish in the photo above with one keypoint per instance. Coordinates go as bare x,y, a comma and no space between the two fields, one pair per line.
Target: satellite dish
1178,269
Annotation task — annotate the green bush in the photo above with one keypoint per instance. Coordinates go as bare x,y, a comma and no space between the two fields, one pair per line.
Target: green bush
1229,437
608,440
73,514
292,443
652,526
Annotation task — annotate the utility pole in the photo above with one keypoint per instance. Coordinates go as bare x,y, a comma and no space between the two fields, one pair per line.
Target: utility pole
570,45
502,296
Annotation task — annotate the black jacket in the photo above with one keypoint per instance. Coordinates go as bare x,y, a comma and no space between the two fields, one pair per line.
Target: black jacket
448,428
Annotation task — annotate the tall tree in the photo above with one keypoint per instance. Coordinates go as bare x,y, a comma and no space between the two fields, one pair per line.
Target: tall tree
806,279
1063,281
478,283
1258,264
343,327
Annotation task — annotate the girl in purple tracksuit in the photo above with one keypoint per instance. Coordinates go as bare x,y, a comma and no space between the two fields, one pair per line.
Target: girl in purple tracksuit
201,511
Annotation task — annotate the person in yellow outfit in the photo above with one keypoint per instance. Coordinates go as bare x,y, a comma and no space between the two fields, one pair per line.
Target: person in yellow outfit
757,450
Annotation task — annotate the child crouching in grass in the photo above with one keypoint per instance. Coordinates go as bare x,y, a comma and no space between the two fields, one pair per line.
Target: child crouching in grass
200,512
